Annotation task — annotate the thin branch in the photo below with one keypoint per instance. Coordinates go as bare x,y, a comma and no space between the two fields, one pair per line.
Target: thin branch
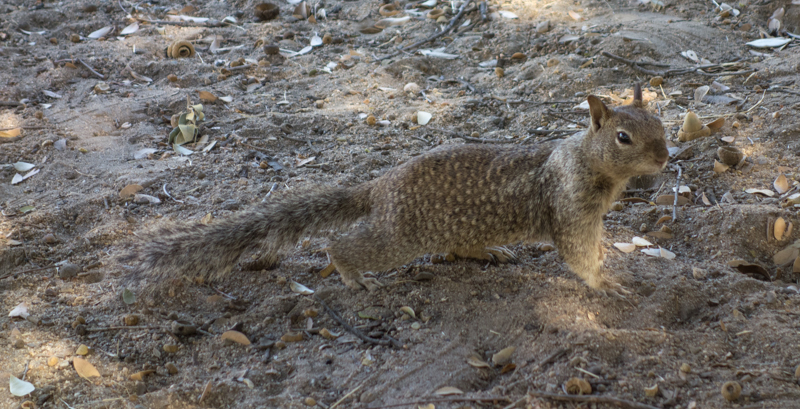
27,271
182,23
9,104
453,23
445,400
357,333
622,403
677,188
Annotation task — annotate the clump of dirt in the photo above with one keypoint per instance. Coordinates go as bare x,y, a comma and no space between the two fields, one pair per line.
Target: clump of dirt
94,116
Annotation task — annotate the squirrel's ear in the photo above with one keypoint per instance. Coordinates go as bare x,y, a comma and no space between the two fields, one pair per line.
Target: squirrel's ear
637,96
598,111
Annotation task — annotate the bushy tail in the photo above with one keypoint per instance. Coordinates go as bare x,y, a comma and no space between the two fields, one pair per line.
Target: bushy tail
210,251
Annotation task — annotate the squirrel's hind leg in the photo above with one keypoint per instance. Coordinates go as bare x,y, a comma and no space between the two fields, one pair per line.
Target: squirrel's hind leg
367,249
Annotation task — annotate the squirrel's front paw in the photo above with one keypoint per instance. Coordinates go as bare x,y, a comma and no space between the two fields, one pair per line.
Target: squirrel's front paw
358,282
616,290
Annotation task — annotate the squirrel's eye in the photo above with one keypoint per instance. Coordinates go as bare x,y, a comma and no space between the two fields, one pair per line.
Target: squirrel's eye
622,137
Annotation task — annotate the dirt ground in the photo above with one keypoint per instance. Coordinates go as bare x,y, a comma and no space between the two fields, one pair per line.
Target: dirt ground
692,324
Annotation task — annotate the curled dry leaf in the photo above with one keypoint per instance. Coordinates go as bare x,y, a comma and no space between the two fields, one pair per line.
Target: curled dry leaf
781,184
719,167
388,10
448,390
101,32
409,311
206,96
139,376
299,288
575,16
476,361
652,391
236,337
578,386
625,247
328,334
180,49
779,228
130,29
84,368
640,242
787,255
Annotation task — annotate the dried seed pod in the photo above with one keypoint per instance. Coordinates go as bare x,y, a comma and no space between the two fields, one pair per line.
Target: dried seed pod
656,81
180,49
518,56
172,78
75,38
499,72
266,11
779,228
577,386
435,13
731,391
730,155
692,128
371,120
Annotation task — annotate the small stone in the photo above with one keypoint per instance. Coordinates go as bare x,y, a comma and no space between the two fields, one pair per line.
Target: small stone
68,270
172,78
411,87
131,320
81,329
617,206
699,273
82,350
546,247
319,103
19,344
75,38
140,388
54,41
171,368
310,401
52,361
50,238
171,348
423,276
416,325
685,368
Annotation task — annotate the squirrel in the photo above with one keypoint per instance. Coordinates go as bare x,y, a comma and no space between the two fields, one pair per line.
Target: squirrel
469,200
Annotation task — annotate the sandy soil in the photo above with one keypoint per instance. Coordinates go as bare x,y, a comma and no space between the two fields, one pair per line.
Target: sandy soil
692,324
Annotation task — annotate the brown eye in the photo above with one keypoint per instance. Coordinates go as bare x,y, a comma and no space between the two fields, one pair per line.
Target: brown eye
622,137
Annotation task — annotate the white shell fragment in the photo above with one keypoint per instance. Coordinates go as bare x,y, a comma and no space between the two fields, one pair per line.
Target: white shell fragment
423,117
641,242
101,32
23,166
770,42
764,192
300,289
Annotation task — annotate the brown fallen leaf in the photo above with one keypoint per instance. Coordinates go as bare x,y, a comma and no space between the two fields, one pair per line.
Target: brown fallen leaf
781,184
206,96
292,337
139,376
325,272
670,199
84,369
235,336
448,390
129,191
12,133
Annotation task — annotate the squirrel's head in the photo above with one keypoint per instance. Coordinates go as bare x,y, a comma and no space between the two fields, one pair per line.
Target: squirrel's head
628,140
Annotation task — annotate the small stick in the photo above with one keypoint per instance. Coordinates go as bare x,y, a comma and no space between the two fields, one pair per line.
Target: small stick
626,404
357,333
445,400
81,62
446,30
9,140
169,195
9,104
102,329
222,293
348,395
481,140
677,188
633,64
27,271
180,23
23,127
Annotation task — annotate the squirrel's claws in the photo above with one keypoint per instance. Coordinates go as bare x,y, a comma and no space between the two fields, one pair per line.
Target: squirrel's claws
361,283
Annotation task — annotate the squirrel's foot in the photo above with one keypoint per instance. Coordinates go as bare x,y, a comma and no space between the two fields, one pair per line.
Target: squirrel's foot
499,254
359,282
615,290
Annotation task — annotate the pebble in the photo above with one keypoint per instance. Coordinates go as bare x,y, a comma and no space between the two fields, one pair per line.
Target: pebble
319,104
50,238
19,344
423,276
131,320
553,62
171,348
52,361
82,350
543,27
68,270
171,368
411,87
310,401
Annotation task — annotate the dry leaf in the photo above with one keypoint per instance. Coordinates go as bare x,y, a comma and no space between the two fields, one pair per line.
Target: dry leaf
236,337
84,368
130,29
303,162
448,390
206,96
10,133
329,335
129,191
781,184
139,376
625,247
503,356
670,200
764,192
575,16
409,311
19,387
786,255
325,272
667,254
719,167
705,200
292,337
664,219
640,242
779,228
101,32
299,288
20,310
477,362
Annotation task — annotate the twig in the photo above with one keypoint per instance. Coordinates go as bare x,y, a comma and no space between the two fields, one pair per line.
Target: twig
679,71
757,103
26,371
481,140
788,91
81,62
677,188
23,127
102,329
347,395
591,399
222,293
169,195
9,140
27,271
516,403
632,64
9,104
306,141
453,23
357,333
445,400
182,23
